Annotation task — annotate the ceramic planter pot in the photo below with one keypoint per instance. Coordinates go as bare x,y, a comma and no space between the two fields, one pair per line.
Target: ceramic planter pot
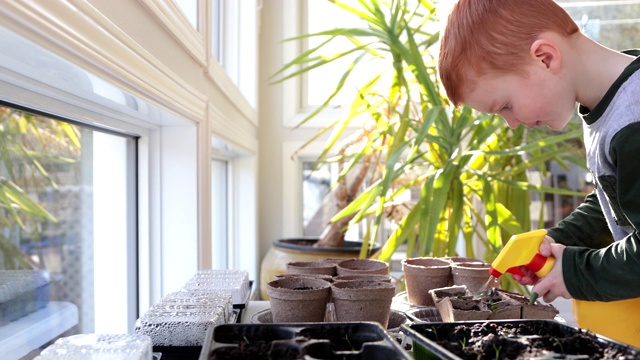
423,274
362,266
298,299
474,275
318,267
362,301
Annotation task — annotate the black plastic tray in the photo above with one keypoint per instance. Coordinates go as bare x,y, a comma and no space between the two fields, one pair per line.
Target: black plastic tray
424,314
446,340
358,340
190,352
178,352
245,301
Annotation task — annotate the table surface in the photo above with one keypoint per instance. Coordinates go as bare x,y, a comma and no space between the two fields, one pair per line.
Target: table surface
21,336
252,308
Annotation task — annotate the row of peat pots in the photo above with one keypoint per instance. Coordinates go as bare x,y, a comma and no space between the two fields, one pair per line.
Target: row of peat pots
352,309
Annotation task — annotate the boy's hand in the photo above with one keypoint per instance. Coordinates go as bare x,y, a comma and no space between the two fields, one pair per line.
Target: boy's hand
552,285
530,278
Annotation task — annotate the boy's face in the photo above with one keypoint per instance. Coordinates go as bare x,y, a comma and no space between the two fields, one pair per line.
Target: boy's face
539,99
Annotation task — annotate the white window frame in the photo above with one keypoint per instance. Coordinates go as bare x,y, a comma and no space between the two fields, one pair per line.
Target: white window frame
296,88
242,250
232,42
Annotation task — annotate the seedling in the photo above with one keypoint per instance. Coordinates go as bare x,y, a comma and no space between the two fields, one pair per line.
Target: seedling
497,350
346,337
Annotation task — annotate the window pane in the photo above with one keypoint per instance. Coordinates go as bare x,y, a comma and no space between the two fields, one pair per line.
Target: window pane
217,30
615,24
315,193
190,10
219,211
319,200
323,15
68,220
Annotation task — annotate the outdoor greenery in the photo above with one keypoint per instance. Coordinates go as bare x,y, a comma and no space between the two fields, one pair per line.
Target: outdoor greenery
30,147
470,171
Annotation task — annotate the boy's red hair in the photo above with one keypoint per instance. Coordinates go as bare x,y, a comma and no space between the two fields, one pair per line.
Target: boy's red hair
494,36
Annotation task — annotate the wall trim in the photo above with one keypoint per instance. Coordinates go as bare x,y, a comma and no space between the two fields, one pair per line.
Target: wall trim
179,27
224,128
80,32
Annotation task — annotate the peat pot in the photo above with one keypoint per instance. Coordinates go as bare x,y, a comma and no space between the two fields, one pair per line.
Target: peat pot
363,301
298,299
423,274
319,267
474,275
362,267
284,251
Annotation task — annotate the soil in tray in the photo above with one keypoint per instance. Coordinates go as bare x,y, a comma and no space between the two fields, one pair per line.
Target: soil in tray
524,340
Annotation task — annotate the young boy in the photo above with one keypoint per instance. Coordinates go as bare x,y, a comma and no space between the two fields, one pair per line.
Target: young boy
528,62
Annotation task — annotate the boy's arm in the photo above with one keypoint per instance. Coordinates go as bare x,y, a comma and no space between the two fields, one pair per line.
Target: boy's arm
606,274
613,272
585,226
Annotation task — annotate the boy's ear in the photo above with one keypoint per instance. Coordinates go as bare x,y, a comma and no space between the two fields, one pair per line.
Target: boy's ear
547,53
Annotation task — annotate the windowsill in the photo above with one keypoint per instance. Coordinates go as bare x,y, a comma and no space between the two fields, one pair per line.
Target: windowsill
30,332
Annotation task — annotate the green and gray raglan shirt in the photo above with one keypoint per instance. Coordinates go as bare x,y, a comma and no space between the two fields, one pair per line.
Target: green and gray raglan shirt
594,266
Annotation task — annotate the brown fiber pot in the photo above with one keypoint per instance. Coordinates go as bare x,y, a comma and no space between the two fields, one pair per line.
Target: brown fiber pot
313,276
367,277
423,274
460,259
284,251
474,275
362,266
298,299
363,301
319,267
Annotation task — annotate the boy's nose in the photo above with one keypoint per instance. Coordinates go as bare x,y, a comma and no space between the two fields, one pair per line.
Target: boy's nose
511,121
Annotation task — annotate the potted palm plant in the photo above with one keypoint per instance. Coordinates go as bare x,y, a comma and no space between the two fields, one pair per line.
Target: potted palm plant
469,170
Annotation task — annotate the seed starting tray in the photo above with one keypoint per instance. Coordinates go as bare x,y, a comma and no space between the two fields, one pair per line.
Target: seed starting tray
354,340
511,339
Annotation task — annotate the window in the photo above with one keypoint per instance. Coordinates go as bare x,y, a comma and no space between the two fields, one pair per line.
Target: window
190,10
233,207
234,39
319,200
88,153
219,213
615,24
73,224
322,81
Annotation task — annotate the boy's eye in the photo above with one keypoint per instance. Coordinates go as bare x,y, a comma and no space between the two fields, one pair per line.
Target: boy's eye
506,106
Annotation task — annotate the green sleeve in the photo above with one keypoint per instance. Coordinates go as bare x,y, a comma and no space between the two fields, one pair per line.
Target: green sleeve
585,226
612,272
